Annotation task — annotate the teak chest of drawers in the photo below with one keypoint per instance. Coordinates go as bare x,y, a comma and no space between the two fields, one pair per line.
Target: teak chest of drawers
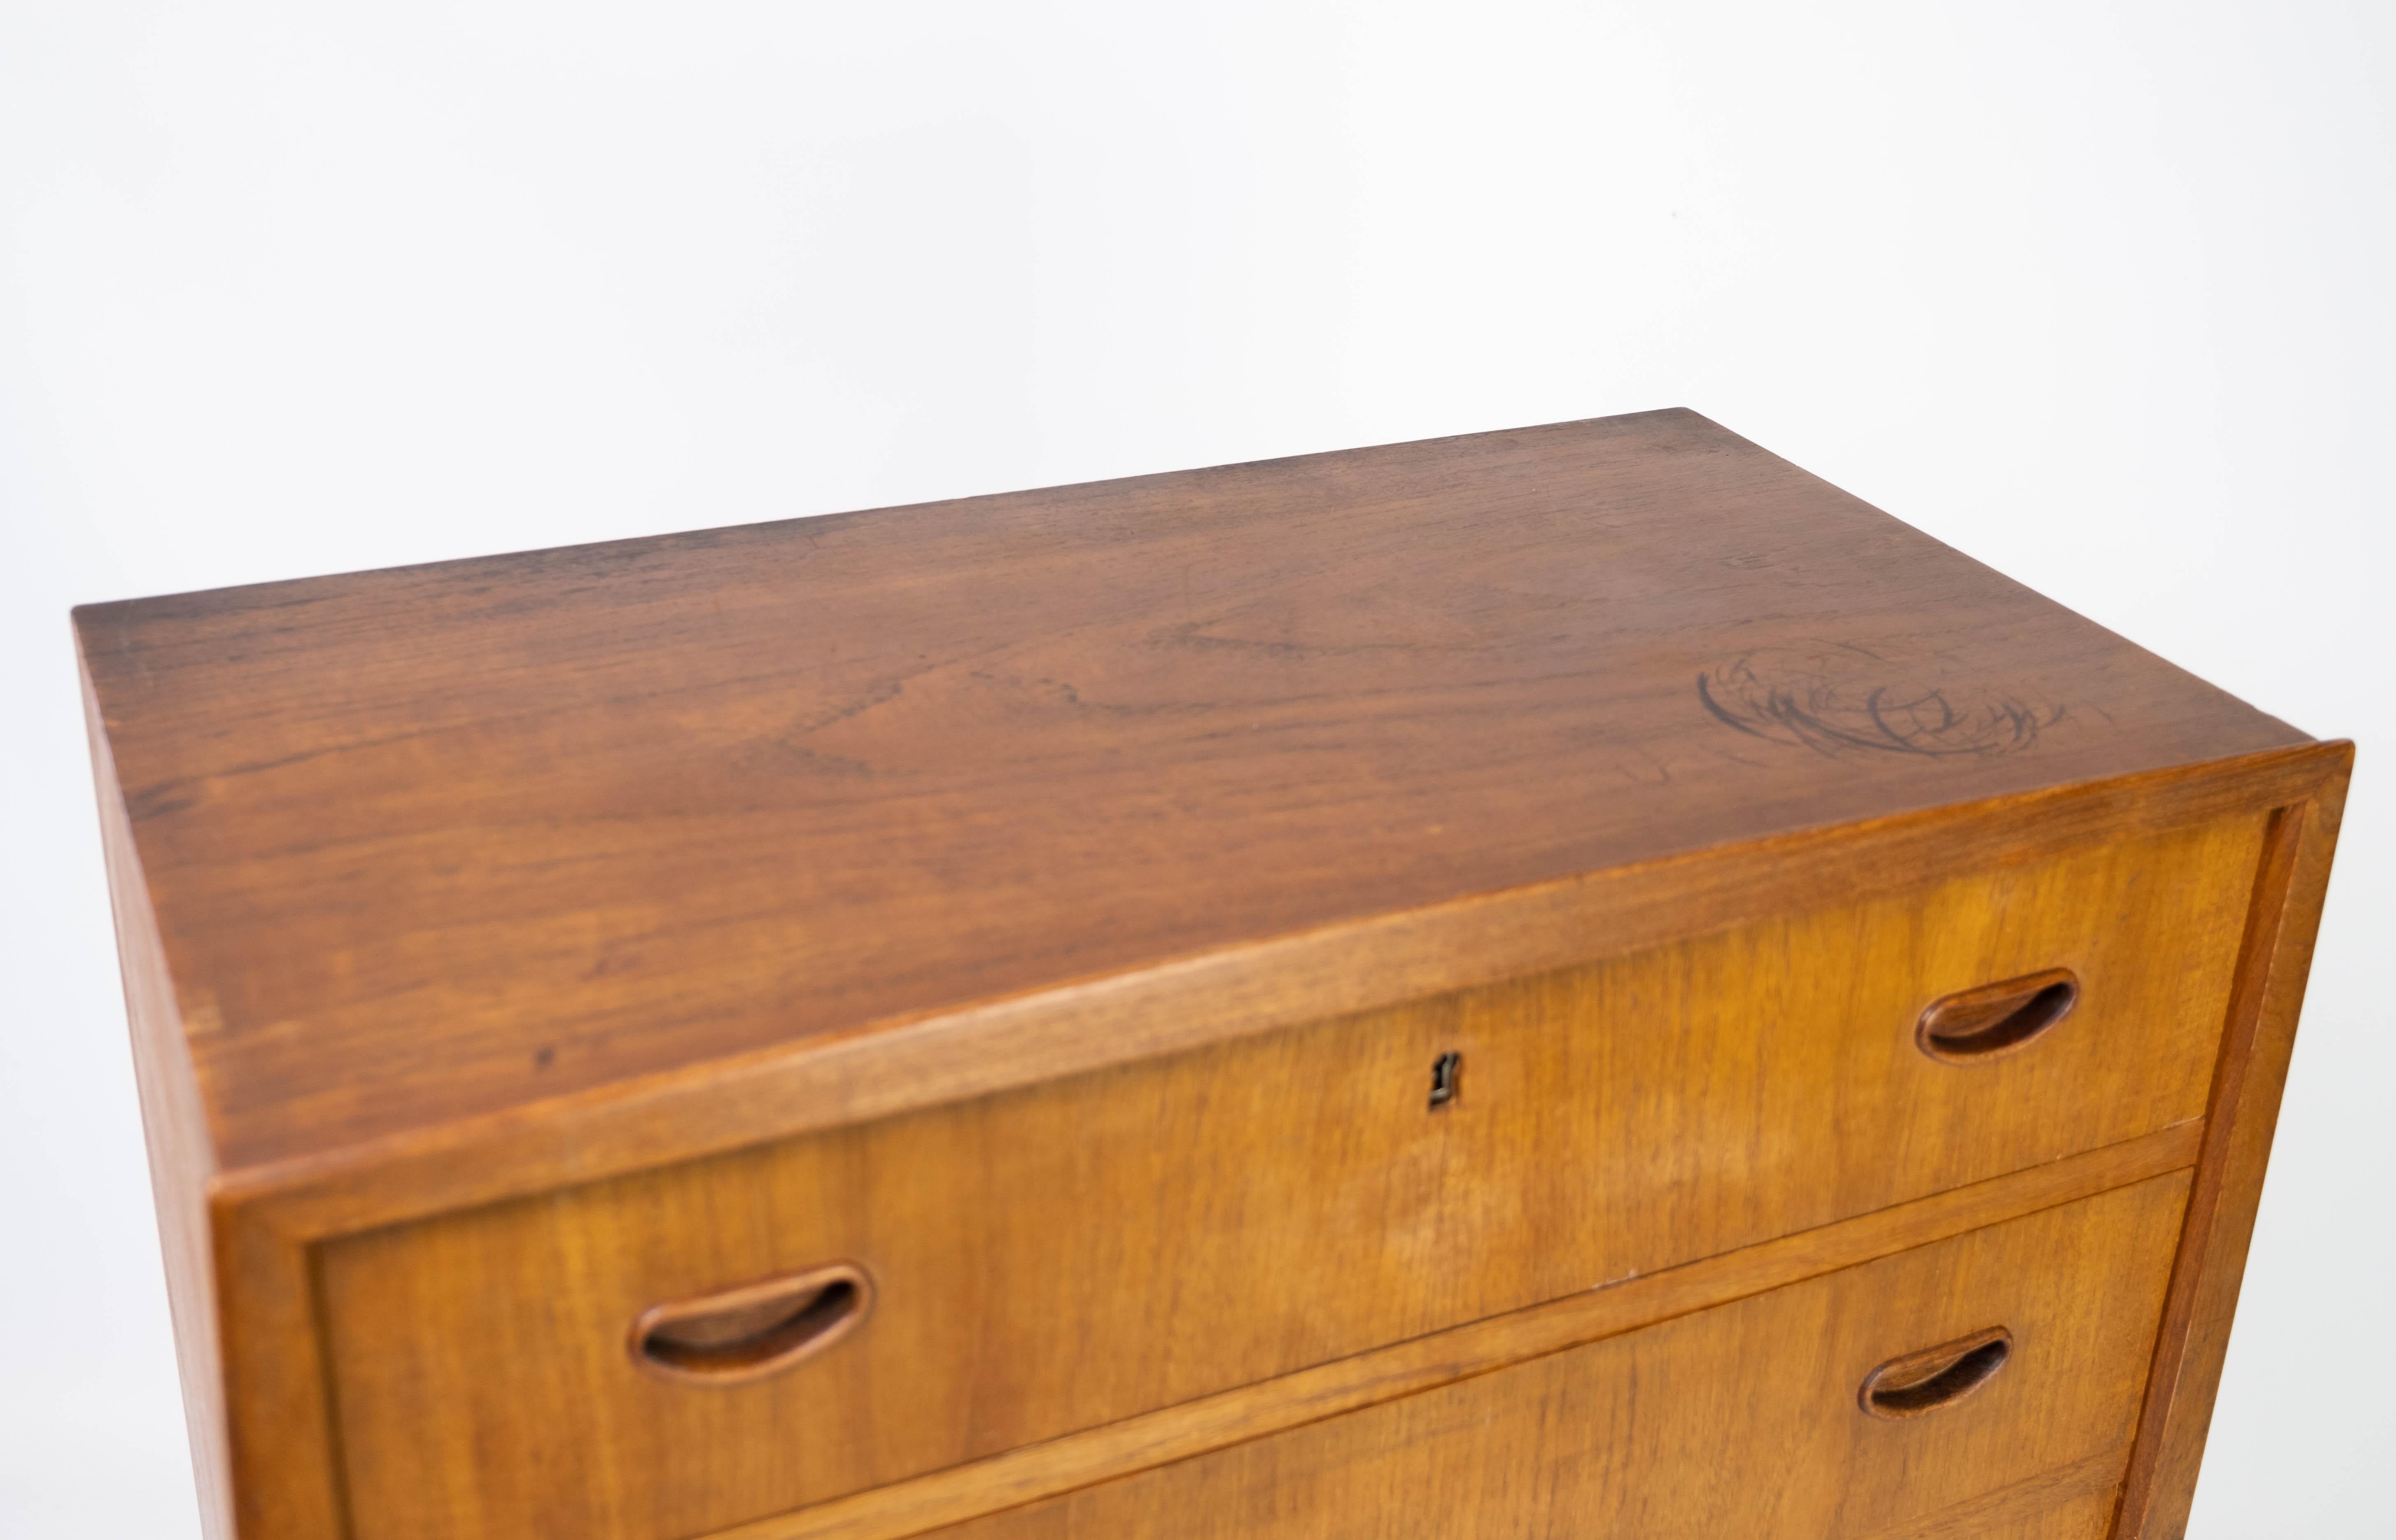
1562,982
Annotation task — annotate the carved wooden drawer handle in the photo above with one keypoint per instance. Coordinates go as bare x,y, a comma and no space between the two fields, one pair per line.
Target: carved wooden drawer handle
1937,1376
753,1331
1996,1018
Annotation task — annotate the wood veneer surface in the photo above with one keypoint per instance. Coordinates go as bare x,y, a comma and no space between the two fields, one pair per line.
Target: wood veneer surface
1743,1420
435,842
1069,1256
1039,1471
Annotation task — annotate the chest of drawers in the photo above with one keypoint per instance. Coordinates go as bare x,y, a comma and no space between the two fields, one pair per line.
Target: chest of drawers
1576,980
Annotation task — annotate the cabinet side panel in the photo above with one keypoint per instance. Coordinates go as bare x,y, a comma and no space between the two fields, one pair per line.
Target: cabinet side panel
175,1129
2273,964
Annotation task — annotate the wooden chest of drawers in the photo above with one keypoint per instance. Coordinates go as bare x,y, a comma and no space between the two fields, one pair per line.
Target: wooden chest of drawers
1569,981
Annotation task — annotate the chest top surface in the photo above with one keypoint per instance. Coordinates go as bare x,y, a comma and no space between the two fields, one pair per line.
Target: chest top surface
436,842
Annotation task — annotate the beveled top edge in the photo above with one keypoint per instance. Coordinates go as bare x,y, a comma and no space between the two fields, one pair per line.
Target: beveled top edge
1184,1003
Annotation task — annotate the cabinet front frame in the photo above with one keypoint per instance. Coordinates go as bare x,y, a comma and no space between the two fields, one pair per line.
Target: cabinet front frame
266,1223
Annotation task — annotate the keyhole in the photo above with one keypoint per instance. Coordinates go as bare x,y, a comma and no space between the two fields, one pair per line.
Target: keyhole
1443,1071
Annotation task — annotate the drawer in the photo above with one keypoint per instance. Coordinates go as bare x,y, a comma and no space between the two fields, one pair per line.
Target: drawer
1747,1420
1019,1267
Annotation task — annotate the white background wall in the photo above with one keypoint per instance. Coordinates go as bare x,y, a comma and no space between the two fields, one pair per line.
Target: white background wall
2098,292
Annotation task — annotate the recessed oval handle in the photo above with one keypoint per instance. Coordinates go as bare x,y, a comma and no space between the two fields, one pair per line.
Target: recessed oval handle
1937,1376
1996,1019
753,1331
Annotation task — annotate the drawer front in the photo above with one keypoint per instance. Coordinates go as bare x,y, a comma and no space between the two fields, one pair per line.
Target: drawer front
1068,1255
1746,1420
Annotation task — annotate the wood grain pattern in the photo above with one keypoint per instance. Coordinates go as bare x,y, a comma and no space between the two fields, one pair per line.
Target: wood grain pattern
1240,991
2076,1499
447,839
1087,1251
269,1222
513,881
2274,961
173,1126
1737,1420
1139,1443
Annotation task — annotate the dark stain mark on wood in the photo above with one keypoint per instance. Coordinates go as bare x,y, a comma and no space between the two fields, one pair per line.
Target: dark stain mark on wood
1841,699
